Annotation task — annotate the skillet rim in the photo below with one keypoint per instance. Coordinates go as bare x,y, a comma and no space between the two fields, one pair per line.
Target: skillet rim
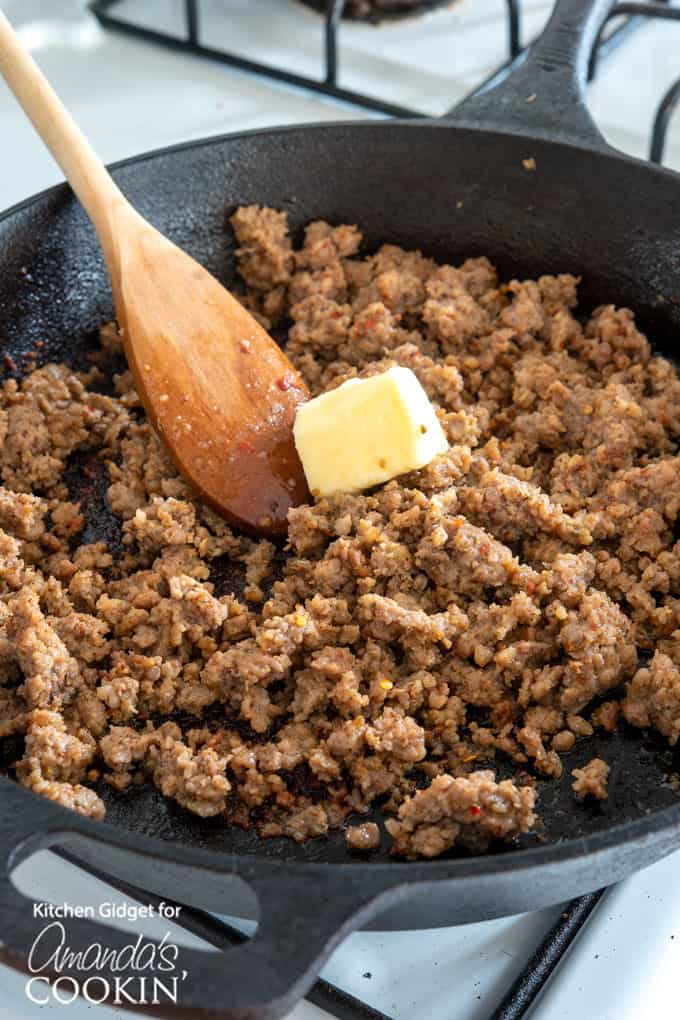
489,865
598,148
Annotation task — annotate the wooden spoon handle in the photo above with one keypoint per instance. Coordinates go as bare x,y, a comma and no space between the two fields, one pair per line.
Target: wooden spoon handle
84,170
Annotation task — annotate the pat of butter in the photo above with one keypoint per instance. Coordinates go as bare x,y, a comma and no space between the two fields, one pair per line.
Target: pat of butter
366,432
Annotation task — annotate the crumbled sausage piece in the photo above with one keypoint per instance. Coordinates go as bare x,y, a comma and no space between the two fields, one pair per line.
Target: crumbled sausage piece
563,741
74,796
598,640
305,821
466,559
119,691
591,780
653,697
55,763
163,522
472,810
195,779
22,514
363,837
53,752
51,674
510,507
606,716
265,252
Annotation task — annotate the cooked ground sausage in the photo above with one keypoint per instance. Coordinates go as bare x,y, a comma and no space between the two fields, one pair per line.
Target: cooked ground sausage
407,638
363,837
591,780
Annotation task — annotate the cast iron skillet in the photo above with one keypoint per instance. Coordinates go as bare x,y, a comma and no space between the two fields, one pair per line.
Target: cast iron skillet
455,187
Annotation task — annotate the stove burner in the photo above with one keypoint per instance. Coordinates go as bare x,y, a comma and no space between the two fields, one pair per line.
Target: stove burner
375,11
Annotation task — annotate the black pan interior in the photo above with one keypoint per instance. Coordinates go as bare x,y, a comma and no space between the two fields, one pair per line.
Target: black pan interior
450,192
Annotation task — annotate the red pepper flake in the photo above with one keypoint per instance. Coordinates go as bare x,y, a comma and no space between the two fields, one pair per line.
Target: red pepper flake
246,445
245,346
9,362
484,549
475,810
370,322
531,588
286,381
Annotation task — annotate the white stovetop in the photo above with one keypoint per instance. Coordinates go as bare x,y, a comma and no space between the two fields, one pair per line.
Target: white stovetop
129,98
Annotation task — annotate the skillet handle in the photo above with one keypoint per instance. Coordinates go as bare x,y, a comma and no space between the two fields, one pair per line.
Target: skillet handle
304,914
544,96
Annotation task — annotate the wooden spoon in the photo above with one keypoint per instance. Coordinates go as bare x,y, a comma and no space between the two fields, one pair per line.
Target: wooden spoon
216,387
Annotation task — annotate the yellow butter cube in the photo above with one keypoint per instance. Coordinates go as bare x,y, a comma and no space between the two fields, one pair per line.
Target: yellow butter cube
367,431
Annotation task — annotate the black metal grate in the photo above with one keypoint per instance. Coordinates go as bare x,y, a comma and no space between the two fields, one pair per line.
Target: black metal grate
635,14
547,956
327,86
631,16
515,1004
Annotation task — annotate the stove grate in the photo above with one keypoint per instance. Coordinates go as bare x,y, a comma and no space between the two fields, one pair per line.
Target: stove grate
549,953
636,14
630,17
328,86
515,1004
